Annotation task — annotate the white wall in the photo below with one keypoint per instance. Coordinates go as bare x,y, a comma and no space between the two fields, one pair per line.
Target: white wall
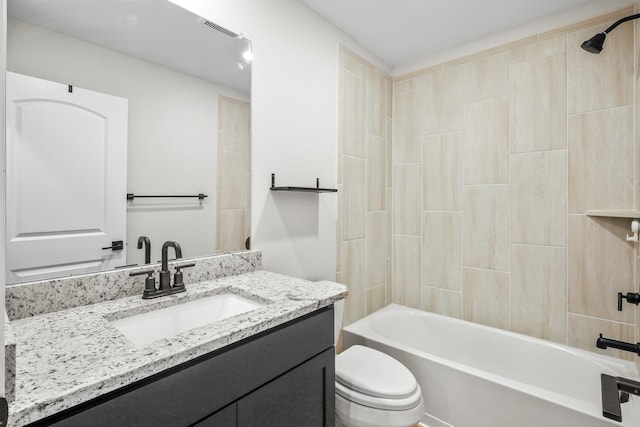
172,145
294,128
3,51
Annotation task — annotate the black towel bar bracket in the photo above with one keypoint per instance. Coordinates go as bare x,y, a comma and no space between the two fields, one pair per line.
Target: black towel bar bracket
315,189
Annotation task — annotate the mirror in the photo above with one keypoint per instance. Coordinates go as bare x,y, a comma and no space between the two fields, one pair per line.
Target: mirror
187,83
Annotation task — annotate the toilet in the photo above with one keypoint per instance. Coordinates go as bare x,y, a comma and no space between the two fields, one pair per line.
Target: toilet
372,388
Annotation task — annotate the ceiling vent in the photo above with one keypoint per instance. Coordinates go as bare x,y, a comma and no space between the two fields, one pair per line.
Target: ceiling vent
221,29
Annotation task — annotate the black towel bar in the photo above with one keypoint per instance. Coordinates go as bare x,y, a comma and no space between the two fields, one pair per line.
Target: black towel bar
131,196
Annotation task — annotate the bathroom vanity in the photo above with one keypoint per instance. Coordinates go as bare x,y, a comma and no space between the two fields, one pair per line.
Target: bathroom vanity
275,378
272,365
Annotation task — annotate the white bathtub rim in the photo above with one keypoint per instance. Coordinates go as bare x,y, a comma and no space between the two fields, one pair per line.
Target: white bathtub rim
622,367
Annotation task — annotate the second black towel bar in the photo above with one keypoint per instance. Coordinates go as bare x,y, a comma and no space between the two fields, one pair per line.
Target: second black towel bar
131,196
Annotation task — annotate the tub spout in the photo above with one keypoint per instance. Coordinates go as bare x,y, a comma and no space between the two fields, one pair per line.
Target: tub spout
604,343
616,390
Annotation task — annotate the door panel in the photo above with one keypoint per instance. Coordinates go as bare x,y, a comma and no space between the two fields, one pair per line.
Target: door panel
66,179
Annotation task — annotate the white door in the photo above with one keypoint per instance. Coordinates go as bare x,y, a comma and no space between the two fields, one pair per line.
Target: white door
66,179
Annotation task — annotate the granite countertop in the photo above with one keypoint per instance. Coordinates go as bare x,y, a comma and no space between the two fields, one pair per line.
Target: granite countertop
71,356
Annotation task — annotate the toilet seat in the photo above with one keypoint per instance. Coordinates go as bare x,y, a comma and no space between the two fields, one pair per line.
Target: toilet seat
376,402
374,379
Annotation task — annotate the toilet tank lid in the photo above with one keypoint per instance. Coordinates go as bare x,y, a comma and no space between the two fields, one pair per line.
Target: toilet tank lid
374,373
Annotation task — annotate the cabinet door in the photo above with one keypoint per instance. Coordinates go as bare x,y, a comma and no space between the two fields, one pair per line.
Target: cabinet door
223,418
303,396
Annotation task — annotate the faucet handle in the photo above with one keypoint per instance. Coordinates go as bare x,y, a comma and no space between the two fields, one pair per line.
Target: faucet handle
178,277
616,390
633,298
149,285
149,282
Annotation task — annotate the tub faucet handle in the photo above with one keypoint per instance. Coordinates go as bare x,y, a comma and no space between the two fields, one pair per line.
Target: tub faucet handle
616,390
633,298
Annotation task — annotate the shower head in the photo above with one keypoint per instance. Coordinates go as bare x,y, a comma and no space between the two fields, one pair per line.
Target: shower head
595,43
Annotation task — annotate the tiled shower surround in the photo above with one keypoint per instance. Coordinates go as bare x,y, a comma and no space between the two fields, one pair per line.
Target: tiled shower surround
476,207
364,185
234,175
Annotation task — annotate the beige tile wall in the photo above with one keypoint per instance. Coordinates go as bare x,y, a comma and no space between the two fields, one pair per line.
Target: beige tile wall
364,185
516,145
495,160
234,175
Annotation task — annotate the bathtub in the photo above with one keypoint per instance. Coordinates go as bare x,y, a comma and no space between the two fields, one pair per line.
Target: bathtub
477,376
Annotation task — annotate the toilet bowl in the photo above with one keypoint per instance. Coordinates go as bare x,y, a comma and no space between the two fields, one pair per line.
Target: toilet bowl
373,389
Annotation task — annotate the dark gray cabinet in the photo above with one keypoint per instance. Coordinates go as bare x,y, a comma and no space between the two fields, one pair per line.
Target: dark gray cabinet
226,417
281,377
298,398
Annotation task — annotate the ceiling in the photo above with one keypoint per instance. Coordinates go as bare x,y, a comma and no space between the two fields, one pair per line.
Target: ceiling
403,31
398,32
156,31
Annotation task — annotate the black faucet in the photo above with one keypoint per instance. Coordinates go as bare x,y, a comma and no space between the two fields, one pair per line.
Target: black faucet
147,248
165,275
604,343
165,287
616,390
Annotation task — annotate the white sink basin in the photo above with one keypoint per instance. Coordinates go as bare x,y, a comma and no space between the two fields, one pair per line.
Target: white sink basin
166,322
